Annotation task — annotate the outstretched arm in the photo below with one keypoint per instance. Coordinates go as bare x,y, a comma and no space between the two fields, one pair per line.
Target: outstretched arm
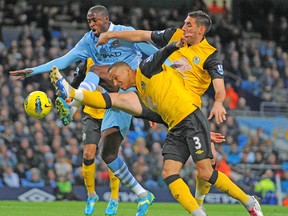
62,63
134,36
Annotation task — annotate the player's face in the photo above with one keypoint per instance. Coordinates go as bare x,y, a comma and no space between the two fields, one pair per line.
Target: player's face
97,22
121,77
192,32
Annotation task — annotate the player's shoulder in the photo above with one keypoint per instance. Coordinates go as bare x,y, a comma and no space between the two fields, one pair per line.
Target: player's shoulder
170,31
122,28
88,36
208,45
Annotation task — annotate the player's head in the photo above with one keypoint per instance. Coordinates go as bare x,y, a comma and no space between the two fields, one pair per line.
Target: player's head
98,19
122,75
196,25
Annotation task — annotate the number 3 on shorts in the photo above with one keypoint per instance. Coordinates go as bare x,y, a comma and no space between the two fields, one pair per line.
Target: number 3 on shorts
198,144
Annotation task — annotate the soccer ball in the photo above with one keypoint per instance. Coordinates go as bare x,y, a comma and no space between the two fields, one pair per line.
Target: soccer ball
37,104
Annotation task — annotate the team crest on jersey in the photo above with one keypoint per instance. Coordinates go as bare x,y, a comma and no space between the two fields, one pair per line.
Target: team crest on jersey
143,85
220,69
196,60
116,43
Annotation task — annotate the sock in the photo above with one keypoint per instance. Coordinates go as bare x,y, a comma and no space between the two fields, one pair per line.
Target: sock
74,106
120,170
249,204
202,188
223,183
181,193
90,82
114,186
93,99
89,177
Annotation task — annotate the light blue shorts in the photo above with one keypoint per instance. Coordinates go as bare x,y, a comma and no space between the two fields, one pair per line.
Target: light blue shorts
117,118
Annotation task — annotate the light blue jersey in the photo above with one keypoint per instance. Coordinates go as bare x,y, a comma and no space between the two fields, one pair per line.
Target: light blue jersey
115,50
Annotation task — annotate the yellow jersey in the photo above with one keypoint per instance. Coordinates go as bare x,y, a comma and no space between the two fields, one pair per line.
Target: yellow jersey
162,89
197,64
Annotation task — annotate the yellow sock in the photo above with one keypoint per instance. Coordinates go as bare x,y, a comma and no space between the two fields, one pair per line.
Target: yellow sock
202,188
224,184
182,194
93,99
72,93
114,185
89,177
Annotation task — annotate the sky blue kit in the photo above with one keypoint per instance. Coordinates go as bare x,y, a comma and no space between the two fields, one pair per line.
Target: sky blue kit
115,50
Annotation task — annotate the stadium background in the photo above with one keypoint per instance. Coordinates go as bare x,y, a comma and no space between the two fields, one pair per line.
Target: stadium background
253,38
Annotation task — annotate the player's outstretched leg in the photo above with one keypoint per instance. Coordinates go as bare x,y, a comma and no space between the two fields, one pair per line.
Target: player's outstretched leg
90,205
144,203
64,111
61,85
111,208
256,209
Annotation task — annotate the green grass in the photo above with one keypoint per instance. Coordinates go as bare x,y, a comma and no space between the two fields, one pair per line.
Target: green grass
69,208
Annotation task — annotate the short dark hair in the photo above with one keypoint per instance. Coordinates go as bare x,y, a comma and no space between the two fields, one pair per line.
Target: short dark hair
202,18
99,9
118,64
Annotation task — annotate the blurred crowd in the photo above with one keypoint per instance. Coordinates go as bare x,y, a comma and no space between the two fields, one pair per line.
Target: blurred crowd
38,153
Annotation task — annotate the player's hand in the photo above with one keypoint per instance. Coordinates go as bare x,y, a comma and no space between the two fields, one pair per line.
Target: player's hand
103,38
181,42
217,137
219,112
153,125
19,74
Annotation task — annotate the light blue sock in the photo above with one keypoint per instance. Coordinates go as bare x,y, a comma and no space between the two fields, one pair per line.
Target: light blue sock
120,170
90,82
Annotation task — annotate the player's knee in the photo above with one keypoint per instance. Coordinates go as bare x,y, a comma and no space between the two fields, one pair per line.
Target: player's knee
166,172
99,70
108,157
205,174
89,151
94,68
88,155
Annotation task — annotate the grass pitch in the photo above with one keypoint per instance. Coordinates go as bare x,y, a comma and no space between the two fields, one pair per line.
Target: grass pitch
71,208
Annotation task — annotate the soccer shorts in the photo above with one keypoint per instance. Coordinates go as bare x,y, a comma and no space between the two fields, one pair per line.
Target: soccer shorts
91,130
190,137
117,118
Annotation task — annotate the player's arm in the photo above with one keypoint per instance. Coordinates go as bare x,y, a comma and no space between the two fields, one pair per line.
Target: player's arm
159,37
74,55
214,66
153,64
133,35
62,63
79,74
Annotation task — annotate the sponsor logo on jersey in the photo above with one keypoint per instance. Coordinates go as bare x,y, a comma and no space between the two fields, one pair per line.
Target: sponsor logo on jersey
220,69
108,55
196,60
36,195
116,43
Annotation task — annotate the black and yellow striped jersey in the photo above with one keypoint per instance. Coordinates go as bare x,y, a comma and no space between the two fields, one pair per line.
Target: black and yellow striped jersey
162,89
